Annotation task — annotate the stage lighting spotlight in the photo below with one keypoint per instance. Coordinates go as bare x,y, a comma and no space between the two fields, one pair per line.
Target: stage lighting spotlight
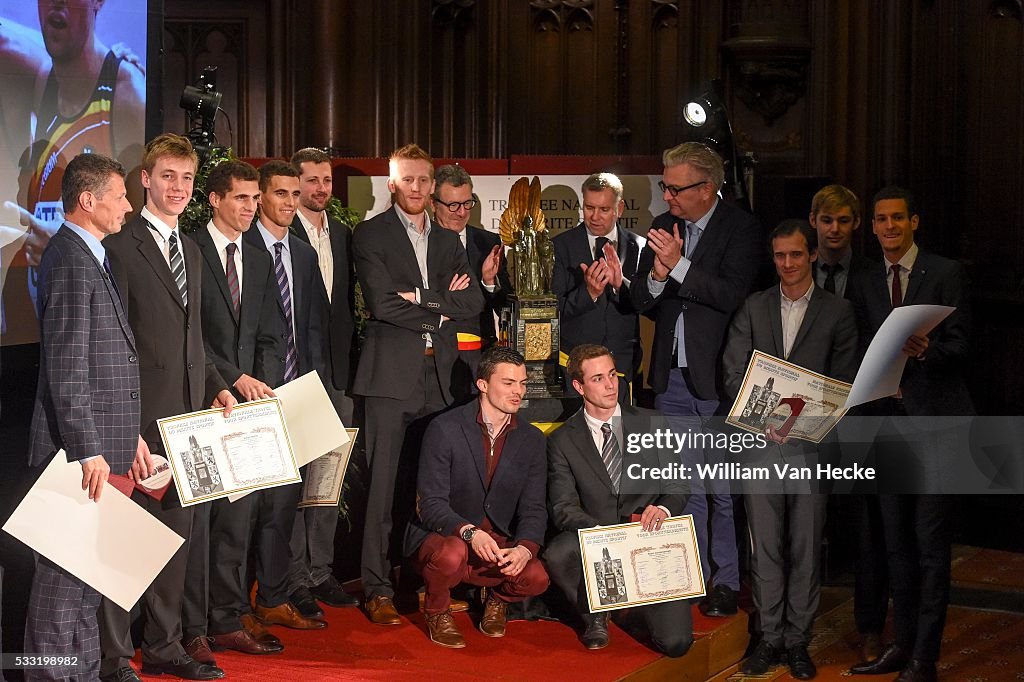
696,113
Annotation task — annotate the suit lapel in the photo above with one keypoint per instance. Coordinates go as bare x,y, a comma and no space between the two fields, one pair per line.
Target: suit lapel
209,251
471,431
775,315
584,443
710,234
115,297
509,458
813,308
917,275
400,239
147,247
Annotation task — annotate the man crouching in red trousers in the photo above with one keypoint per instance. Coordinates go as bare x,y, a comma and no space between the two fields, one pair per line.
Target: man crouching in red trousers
481,502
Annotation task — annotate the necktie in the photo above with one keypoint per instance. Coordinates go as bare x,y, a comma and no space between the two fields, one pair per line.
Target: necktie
599,247
897,286
291,358
178,267
110,276
691,240
830,276
611,455
232,274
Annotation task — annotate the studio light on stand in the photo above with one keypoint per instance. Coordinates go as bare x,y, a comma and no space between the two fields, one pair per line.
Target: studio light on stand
202,102
707,121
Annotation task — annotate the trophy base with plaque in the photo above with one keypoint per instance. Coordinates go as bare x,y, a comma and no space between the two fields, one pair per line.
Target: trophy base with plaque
530,325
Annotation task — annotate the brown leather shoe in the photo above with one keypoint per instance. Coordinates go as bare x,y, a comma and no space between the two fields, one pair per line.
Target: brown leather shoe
456,606
199,649
381,611
443,630
240,640
287,615
492,623
259,632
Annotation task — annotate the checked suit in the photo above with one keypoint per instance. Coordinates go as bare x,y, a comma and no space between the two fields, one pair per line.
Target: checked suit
87,402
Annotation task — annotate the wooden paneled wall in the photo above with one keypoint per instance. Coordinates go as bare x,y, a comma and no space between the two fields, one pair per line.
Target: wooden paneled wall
927,93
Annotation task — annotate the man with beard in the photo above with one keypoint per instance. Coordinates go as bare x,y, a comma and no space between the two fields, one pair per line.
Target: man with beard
480,491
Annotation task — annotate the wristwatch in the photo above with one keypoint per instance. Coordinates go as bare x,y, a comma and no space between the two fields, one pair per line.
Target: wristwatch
467,534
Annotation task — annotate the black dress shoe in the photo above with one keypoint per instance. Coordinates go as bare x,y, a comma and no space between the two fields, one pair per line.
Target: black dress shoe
596,634
333,594
302,599
185,668
893,660
800,664
721,603
125,674
763,659
918,671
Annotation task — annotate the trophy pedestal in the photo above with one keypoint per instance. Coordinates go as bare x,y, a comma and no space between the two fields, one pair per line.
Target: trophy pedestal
530,326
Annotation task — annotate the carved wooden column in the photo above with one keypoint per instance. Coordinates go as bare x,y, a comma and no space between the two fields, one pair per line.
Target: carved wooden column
320,105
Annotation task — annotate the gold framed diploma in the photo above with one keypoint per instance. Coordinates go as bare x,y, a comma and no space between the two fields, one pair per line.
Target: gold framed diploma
321,485
212,456
625,566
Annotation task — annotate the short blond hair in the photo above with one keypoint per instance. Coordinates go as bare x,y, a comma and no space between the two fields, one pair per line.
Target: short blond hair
832,198
598,182
701,157
168,144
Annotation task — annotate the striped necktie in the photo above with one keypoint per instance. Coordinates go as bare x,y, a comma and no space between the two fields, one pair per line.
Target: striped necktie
232,275
178,267
612,456
291,357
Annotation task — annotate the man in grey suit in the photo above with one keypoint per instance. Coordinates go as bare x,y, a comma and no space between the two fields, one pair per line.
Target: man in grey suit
87,401
416,280
799,322
588,487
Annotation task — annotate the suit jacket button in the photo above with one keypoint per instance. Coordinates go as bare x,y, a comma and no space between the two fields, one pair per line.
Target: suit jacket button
190,365
131,358
188,325
134,395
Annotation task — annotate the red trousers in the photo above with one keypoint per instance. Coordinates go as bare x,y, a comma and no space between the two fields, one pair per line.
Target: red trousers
444,562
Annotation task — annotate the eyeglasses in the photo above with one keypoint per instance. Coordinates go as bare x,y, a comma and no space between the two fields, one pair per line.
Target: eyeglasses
674,190
468,204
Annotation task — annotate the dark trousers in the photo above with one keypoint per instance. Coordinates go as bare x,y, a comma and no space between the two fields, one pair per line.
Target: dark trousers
871,581
161,602
231,525
312,542
918,534
445,562
274,519
669,623
196,603
712,509
786,532
394,429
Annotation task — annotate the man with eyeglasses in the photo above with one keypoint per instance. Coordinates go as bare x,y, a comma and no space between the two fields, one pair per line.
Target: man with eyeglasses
594,265
699,264
452,203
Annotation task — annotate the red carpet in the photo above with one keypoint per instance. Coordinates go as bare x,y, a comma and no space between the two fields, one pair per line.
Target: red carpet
351,648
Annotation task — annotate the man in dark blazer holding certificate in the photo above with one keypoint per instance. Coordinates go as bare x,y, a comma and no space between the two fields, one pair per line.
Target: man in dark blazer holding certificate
917,528
801,323
416,281
87,400
244,336
159,276
595,263
480,502
586,488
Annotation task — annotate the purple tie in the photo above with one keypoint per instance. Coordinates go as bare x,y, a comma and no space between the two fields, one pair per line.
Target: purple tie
290,359
232,273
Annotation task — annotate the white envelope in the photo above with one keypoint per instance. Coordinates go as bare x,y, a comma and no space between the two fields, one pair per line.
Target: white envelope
114,545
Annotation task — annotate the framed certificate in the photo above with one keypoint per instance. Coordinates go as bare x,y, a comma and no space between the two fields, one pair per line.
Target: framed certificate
626,566
212,456
325,474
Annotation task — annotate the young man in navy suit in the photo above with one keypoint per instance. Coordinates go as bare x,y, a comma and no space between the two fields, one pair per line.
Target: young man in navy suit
480,497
